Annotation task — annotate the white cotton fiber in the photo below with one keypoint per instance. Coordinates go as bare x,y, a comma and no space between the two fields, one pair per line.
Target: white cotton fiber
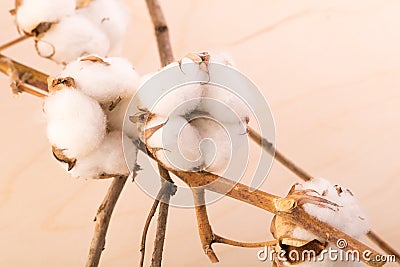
33,12
349,217
76,124
224,105
111,16
176,144
72,37
107,159
176,102
104,79
116,118
218,142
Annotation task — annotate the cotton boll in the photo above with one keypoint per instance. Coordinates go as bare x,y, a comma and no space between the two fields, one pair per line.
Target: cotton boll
107,160
72,37
176,144
349,217
111,16
30,13
76,124
177,102
104,79
218,142
224,105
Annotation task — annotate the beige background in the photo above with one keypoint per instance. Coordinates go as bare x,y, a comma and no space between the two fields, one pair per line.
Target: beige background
330,70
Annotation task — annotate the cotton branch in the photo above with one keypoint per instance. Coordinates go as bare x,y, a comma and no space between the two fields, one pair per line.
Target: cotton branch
102,220
205,231
207,236
221,185
166,57
24,78
162,216
152,211
161,31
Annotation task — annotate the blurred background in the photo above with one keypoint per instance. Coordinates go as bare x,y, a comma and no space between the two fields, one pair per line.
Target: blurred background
330,71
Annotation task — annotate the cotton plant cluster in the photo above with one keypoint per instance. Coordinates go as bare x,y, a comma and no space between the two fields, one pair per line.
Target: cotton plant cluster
196,126
332,204
67,29
85,111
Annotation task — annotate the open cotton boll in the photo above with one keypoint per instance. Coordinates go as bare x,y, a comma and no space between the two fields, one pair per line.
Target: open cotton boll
177,102
176,144
104,79
108,159
111,16
30,13
224,105
76,124
72,37
349,217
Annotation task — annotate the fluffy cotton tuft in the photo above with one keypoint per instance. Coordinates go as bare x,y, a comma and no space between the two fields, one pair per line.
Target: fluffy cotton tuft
33,12
108,159
215,146
111,16
177,102
72,37
104,79
349,217
116,118
76,124
224,105
176,144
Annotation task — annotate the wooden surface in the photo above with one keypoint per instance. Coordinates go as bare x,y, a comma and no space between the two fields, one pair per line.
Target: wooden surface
330,71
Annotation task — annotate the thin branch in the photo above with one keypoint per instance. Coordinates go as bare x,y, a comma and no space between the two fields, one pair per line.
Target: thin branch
382,244
207,235
269,147
166,57
162,217
102,220
14,42
205,232
161,32
25,74
152,211
223,240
